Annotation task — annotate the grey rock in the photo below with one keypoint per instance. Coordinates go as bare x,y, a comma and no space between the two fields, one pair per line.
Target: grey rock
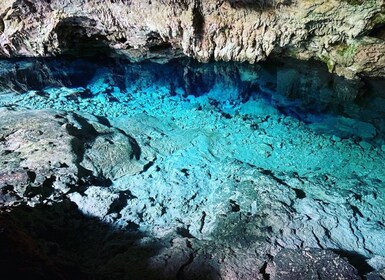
311,264
376,275
44,154
207,213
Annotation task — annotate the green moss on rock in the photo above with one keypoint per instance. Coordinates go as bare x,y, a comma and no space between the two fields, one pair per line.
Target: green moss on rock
330,63
346,52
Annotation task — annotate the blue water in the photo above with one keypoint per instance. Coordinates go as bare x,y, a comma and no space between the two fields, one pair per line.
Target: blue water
303,90
285,136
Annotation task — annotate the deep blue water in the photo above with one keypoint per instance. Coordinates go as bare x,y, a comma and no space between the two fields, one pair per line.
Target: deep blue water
302,90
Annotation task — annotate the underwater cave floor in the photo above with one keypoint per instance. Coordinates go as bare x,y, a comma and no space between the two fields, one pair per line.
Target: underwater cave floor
236,181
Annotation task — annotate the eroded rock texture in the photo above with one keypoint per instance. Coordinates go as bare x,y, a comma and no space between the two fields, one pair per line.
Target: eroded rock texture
46,155
177,207
311,264
347,35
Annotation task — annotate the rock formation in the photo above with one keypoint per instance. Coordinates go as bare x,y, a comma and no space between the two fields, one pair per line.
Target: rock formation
190,187
347,35
184,171
165,207
46,154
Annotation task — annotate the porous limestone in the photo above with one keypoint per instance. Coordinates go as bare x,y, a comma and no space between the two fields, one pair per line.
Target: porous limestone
346,35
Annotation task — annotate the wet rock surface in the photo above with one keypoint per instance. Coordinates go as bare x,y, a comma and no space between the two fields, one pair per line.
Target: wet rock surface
131,179
225,220
345,35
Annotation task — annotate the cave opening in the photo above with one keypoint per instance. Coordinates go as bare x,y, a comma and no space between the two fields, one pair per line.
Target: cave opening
76,36
378,31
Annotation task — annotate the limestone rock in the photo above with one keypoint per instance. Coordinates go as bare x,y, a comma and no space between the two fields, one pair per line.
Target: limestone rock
45,154
311,264
346,35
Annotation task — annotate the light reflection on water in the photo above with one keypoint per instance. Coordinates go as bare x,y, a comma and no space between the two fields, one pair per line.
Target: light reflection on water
302,90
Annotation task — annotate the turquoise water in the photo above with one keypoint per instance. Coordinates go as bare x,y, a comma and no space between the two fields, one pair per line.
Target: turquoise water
281,151
305,91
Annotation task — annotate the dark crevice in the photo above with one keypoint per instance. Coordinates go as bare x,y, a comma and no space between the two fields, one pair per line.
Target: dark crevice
22,7
198,20
104,121
147,166
49,182
356,211
32,176
317,240
378,31
180,273
203,218
122,40
234,207
258,4
265,275
91,180
271,174
356,260
1,25
160,47
118,204
79,36
185,171
156,43
45,190
300,194
184,232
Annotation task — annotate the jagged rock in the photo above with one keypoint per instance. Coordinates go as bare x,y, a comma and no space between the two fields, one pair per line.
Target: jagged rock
45,154
346,35
376,275
310,264
215,194
59,242
36,153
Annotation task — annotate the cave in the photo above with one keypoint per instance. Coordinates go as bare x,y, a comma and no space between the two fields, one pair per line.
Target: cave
76,37
378,32
192,140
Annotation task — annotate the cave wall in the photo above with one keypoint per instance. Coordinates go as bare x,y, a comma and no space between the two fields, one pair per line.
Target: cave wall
346,35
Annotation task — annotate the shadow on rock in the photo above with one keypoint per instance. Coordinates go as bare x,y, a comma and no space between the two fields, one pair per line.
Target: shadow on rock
58,242
356,260
258,4
80,36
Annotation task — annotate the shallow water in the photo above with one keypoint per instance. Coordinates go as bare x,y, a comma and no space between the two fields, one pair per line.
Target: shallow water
240,153
303,90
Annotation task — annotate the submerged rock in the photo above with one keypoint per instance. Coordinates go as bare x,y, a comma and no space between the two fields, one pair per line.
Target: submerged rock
196,200
150,184
346,35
